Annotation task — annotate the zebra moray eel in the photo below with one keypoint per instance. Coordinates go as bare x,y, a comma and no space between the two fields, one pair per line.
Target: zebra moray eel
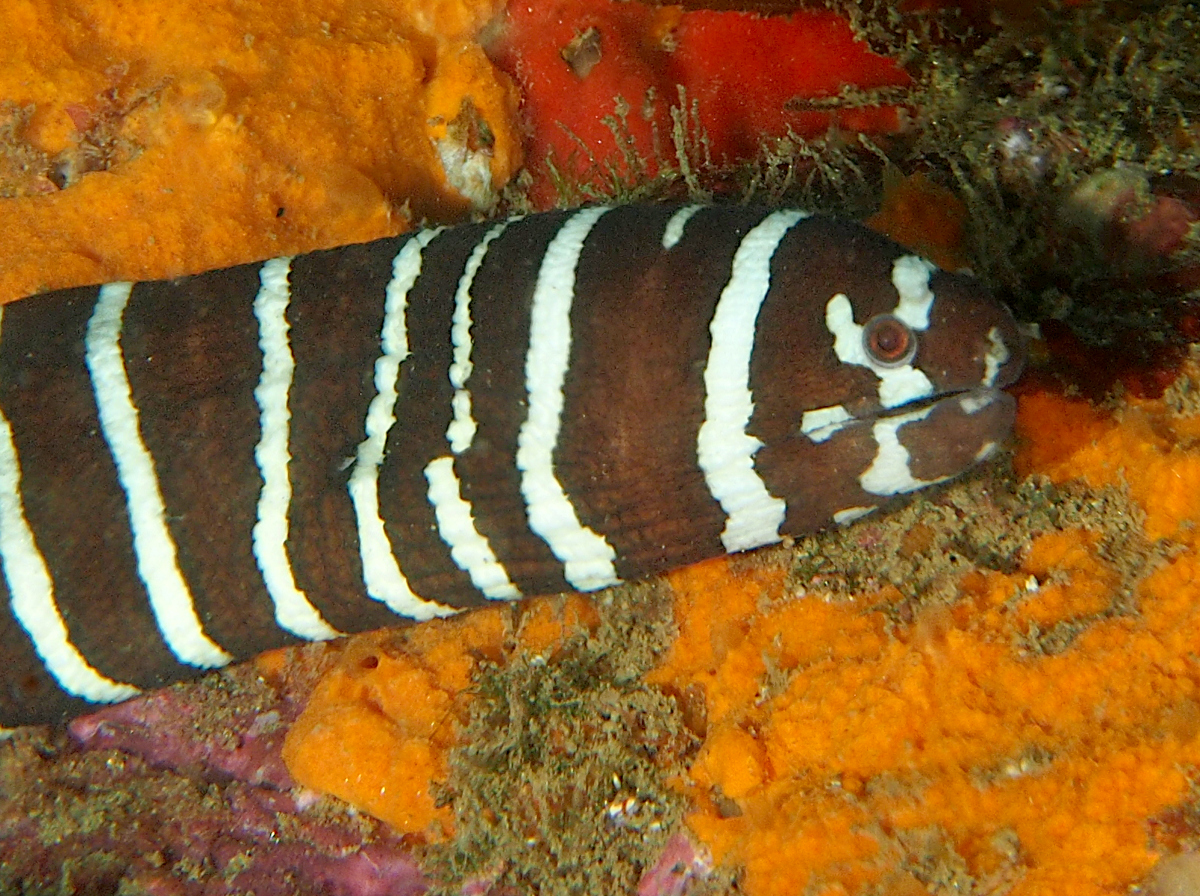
196,470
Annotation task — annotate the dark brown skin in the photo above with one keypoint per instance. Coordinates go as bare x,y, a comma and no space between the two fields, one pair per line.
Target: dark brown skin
634,400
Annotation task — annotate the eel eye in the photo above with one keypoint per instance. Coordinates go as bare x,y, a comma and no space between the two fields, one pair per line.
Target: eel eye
888,341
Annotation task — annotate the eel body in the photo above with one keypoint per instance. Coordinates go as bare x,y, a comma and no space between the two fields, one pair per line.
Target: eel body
197,470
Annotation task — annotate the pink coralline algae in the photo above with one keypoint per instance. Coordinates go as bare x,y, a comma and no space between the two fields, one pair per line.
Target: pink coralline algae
164,833
162,729
183,793
680,864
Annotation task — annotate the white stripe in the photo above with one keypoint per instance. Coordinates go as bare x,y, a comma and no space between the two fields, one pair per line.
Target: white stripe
470,550
462,428
995,358
910,276
32,592
673,232
158,568
889,473
724,449
851,514
820,424
974,402
381,571
586,556
293,611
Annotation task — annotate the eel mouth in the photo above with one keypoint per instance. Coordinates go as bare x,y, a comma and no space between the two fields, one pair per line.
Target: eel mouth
970,401
922,442
820,424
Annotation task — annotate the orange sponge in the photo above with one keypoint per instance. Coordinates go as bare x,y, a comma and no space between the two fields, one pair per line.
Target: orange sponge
144,139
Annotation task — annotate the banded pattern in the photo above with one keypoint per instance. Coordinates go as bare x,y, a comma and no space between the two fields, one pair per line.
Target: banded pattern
196,470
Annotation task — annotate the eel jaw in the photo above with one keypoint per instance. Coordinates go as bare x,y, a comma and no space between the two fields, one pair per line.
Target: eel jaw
937,440
900,450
